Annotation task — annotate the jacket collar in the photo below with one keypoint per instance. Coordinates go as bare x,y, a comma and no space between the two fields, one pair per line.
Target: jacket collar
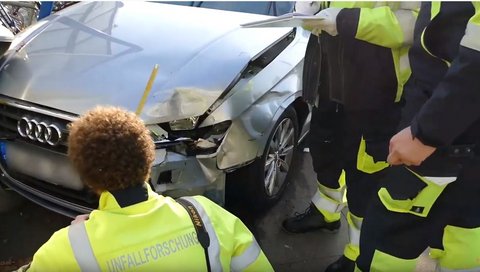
126,197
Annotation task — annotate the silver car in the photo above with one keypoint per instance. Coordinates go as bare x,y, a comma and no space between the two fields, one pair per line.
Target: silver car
223,102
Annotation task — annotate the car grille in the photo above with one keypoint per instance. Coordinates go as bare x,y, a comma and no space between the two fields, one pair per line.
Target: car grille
10,116
84,198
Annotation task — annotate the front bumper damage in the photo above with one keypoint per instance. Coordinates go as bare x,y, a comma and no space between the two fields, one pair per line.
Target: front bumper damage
176,175
183,165
173,174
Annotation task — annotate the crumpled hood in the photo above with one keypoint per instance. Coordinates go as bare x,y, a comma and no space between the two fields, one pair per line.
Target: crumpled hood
104,52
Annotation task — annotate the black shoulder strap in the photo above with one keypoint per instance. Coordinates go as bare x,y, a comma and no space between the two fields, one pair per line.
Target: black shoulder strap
202,234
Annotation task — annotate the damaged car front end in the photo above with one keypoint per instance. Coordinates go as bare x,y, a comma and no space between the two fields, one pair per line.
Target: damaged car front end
225,105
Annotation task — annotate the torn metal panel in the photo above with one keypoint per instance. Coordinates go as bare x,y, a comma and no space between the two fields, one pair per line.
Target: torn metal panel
238,147
251,89
254,103
255,65
252,129
189,176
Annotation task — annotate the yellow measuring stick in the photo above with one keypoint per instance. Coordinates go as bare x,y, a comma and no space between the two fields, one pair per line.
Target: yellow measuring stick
148,88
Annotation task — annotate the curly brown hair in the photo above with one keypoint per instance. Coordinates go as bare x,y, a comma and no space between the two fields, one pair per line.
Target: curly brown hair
111,149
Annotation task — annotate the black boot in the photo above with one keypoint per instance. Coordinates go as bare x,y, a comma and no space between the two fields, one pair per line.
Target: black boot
309,220
343,264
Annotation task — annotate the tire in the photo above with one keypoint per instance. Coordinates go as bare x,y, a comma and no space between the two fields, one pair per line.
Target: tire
250,185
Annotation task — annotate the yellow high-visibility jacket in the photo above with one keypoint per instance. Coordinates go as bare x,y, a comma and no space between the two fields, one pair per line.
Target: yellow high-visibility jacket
155,234
365,66
368,61
372,51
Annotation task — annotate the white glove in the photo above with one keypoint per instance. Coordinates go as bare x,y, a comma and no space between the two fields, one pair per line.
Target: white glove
327,22
306,7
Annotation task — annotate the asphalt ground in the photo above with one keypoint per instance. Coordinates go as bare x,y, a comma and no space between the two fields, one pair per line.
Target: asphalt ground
25,226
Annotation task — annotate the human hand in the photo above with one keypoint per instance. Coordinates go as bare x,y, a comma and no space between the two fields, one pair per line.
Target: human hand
327,21
80,218
408,150
307,7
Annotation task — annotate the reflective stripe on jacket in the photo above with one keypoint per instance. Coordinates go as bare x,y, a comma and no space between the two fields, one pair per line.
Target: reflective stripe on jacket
390,25
152,235
367,62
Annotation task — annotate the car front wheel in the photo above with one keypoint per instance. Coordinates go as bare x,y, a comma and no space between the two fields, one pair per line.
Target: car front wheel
263,181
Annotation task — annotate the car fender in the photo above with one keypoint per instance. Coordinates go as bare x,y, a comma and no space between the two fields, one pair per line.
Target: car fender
246,138
262,141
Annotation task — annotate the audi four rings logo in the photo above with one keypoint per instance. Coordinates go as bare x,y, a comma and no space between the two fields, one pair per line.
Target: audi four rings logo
39,131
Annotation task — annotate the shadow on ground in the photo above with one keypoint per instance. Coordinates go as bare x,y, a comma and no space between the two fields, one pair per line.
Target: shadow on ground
294,252
23,229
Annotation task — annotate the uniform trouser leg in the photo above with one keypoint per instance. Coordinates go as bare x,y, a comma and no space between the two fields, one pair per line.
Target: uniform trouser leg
361,186
393,240
336,149
326,149
334,142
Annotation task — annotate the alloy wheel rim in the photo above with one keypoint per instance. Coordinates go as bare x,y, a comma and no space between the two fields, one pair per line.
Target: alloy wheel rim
279,157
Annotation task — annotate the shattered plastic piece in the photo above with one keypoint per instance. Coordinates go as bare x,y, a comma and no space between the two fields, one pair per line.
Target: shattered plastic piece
204,144
159,132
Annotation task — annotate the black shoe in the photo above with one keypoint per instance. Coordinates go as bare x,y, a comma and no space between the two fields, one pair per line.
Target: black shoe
343,264
310,219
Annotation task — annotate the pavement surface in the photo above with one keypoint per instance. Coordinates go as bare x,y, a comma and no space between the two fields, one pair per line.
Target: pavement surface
312,251
25,226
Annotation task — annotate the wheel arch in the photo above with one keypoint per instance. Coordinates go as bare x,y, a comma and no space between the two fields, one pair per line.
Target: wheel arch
252,131
296,102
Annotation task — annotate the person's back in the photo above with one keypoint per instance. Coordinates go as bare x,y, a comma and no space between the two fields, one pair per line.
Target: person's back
135,229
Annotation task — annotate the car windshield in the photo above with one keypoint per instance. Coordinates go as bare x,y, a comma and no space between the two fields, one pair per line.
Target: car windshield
264,8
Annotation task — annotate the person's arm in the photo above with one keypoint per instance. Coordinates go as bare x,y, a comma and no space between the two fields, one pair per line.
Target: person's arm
238,243
247,255
55,255
381,25
455,103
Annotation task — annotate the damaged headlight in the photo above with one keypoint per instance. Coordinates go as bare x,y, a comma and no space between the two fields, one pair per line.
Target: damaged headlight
215,131
203,140
157,133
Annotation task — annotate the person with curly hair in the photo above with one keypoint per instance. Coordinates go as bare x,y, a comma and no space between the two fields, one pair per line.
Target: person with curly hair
135,228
